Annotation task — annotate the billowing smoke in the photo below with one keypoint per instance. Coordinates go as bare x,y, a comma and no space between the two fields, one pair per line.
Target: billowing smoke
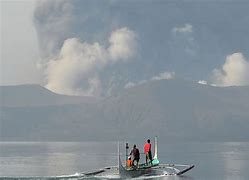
235,72
162,76
53,20
202,82
94,47
187,28
183,40
75,70
80,48
122,44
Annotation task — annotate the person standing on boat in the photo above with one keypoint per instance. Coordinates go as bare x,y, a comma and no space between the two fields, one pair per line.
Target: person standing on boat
147,151
136,155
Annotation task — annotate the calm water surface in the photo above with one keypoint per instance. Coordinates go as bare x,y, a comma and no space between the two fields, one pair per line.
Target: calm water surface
216,160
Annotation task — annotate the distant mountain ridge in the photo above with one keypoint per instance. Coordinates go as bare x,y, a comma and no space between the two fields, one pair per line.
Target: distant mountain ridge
172,109
36,95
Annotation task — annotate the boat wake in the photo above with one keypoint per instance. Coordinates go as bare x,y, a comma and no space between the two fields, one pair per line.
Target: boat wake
105,173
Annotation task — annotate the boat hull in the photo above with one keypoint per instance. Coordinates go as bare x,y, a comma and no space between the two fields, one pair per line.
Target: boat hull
142,169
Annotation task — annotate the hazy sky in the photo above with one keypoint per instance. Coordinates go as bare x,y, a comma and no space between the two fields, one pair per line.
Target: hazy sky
95,47
19,50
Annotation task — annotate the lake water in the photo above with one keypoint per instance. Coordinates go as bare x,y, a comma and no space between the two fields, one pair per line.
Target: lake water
213,160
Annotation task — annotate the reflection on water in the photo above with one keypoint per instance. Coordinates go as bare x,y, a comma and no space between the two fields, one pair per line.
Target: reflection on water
53,158
228,160
235,160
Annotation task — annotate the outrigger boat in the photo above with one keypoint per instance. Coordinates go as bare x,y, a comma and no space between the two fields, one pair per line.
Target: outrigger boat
140,169
151,168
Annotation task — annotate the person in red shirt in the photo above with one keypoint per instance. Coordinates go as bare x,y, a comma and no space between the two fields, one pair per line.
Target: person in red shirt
147,151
